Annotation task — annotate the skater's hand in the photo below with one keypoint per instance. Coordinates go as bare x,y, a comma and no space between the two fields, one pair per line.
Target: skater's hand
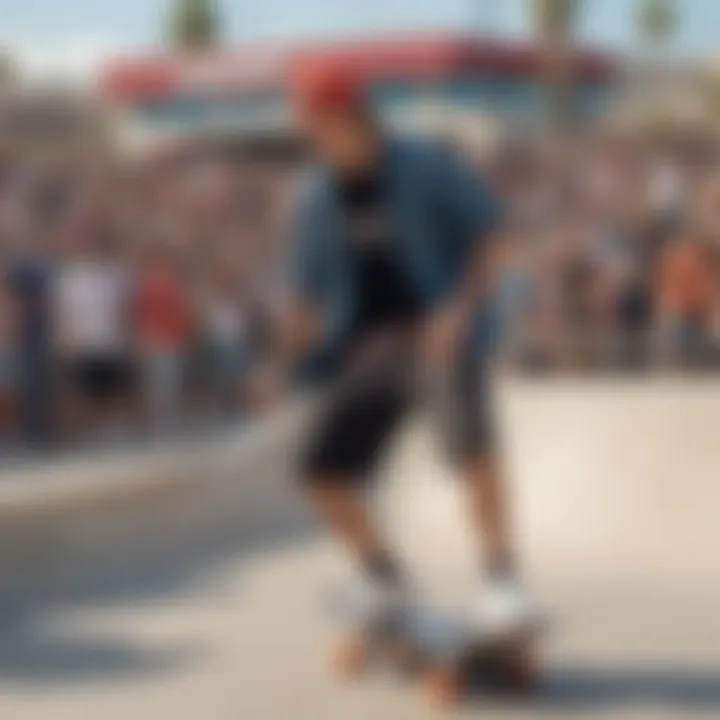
443,333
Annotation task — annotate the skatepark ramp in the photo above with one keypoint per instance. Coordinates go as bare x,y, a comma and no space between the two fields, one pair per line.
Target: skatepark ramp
188,579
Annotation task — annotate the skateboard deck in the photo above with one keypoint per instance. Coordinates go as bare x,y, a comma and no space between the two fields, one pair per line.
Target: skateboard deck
461,661
497,666
446,651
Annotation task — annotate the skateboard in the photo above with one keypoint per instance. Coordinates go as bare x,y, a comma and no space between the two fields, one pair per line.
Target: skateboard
485,665
448,655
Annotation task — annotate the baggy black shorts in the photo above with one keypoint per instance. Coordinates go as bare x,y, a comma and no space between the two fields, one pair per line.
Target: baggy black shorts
358,418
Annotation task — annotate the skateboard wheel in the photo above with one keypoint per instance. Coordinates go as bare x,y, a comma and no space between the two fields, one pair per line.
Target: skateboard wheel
350,658
444,688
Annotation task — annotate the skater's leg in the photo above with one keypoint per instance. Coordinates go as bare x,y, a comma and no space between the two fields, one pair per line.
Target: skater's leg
341,505
470,427
353,430
474,449
490,514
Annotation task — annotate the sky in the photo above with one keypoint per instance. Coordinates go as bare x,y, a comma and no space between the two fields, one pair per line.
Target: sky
76,36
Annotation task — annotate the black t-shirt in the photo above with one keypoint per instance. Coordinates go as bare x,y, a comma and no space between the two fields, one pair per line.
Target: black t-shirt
387,297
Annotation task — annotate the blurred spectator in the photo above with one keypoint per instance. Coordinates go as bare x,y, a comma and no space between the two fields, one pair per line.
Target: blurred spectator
91,303
163,333
9,369
226,325
30,279
687,294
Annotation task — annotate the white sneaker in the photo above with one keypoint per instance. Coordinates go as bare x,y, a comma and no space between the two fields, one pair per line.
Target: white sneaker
504,608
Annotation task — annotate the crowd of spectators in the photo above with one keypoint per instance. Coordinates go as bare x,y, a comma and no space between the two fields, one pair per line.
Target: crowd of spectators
135,295
612,257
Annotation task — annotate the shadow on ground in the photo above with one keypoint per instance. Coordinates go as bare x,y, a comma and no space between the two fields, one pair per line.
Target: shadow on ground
574,692
36,650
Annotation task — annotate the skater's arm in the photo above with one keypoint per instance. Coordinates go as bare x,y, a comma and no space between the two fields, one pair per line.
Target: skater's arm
481,274
474,220
298,322
449,325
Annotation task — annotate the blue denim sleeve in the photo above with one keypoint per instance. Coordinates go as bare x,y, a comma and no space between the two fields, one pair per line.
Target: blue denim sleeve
469,206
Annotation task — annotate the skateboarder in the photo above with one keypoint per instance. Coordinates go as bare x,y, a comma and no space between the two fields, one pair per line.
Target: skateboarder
392,252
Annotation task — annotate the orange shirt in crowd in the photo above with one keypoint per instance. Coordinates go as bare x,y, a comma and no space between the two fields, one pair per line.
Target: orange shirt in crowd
162,312
686,281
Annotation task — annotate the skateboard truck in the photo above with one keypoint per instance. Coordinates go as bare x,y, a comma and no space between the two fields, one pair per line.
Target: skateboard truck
499,666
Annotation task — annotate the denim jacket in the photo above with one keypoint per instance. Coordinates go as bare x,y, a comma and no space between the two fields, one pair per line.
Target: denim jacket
438,211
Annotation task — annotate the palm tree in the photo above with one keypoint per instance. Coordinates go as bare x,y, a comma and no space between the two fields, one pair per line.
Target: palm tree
657,20
194,24
8,69
554,22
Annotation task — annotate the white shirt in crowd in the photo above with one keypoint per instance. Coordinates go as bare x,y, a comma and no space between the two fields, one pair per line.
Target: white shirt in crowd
666,187
225,320
91,305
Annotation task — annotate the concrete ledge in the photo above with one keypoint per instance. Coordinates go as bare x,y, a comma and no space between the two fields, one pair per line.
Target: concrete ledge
140,505
120,476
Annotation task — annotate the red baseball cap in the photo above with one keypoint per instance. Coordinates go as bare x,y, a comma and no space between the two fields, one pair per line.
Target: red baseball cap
327,87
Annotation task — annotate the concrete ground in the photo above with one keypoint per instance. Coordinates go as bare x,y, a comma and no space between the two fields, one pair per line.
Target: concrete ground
617,495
